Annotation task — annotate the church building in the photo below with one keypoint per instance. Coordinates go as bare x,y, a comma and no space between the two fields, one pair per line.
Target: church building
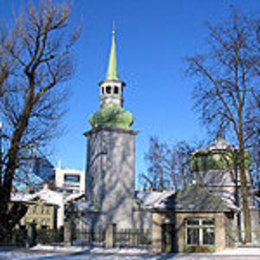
202,217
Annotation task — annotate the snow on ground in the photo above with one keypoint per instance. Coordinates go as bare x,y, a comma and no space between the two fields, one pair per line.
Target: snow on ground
241,251
75,249
96,250
39,256
134,251
41,252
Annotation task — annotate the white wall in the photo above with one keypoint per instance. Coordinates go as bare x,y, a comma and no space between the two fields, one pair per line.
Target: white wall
60,182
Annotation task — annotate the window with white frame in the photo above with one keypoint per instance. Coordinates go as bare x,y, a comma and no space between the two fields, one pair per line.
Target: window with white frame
200,231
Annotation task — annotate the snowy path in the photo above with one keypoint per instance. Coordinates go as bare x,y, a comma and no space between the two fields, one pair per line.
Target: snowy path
116,254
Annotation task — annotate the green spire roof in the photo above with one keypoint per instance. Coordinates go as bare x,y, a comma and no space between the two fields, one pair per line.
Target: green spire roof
112,69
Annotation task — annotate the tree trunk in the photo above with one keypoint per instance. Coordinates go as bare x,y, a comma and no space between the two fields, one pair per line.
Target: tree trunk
244,190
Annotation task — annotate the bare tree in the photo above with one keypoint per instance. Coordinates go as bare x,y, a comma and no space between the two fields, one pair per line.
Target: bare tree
182,152
226,95
169,166
156,170
35,62
5,69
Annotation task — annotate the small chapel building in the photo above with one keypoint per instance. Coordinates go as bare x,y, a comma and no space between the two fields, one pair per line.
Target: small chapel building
201,217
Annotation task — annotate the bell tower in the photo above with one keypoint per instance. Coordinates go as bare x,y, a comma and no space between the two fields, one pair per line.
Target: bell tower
110,173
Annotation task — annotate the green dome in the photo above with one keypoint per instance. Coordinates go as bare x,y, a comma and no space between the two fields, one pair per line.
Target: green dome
204,160
112,115
219,155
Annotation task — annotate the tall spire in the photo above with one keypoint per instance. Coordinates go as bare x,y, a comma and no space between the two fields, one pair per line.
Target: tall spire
112,68
111,112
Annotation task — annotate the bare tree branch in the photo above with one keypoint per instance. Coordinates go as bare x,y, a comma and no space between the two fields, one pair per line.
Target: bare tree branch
34,60
226,80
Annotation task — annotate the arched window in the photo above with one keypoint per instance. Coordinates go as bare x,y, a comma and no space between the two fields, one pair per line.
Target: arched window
116,90
108,89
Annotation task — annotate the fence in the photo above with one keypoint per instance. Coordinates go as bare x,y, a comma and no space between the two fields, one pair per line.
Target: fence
15,238
20,237
122,238
136,238
235,237
90,237
52,236
231,237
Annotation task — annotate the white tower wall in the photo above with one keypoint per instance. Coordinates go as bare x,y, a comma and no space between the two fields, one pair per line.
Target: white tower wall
111,175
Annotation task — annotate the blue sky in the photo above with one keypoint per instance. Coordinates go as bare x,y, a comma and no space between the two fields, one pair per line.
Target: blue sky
153,37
